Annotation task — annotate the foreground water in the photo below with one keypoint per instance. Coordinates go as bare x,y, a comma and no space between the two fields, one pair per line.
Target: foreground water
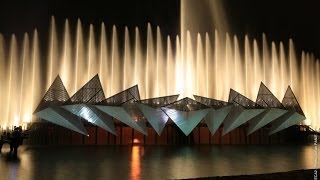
154,162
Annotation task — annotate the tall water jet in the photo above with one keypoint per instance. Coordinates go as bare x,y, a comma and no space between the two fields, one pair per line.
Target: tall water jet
265,59
79,58
294,82
127,62
116,79
3,77
283,73
202,17
150,64
53,51
188,67
66,72
239,69
305,80
103,63
257,65
208,65
170,83
36,72
23,87
274,69
92,60
248,63
179,71
139,65
230,71
11,105
217,51
200,68
160,67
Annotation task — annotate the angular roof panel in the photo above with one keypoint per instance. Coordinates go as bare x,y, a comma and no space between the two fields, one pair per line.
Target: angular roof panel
55,95
216,104
291,103
93,115
239,116
288,119
265,118
155,116
91,92
186,120
239,99
215,117
150,108
186,104
266,99
122,115
62,117
159,101
133,110
130,94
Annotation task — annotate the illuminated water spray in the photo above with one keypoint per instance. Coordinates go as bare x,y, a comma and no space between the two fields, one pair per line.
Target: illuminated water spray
206,63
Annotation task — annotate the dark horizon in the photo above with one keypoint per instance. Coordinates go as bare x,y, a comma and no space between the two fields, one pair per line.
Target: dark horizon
280,21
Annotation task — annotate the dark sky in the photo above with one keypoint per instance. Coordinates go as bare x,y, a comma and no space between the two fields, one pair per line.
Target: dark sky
280,20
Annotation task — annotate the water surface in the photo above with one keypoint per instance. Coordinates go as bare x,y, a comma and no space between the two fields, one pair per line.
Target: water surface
153,162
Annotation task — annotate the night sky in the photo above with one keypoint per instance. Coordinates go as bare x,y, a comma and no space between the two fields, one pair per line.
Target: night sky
280,20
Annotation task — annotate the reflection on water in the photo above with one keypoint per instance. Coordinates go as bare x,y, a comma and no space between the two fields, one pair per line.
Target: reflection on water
136,155
153,162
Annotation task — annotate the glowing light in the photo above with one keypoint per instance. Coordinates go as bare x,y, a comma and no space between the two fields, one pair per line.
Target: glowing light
191,64
136,141
136,119
26,118
24,126
16,120
135,162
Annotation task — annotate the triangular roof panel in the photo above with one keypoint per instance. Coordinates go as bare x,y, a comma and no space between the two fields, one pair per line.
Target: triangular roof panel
216,104
186,104
159,101
155,116
62,117
239,116
130,94
266,99
91,93
265,118
215,117
55,95
288,119
186,120
133,110
239,99
291,103
122,115
93,115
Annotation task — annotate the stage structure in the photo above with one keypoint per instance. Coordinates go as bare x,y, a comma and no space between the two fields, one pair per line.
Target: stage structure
90,104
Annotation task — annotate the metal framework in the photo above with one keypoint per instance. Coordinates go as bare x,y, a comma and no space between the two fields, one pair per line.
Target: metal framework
151,110
90,104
